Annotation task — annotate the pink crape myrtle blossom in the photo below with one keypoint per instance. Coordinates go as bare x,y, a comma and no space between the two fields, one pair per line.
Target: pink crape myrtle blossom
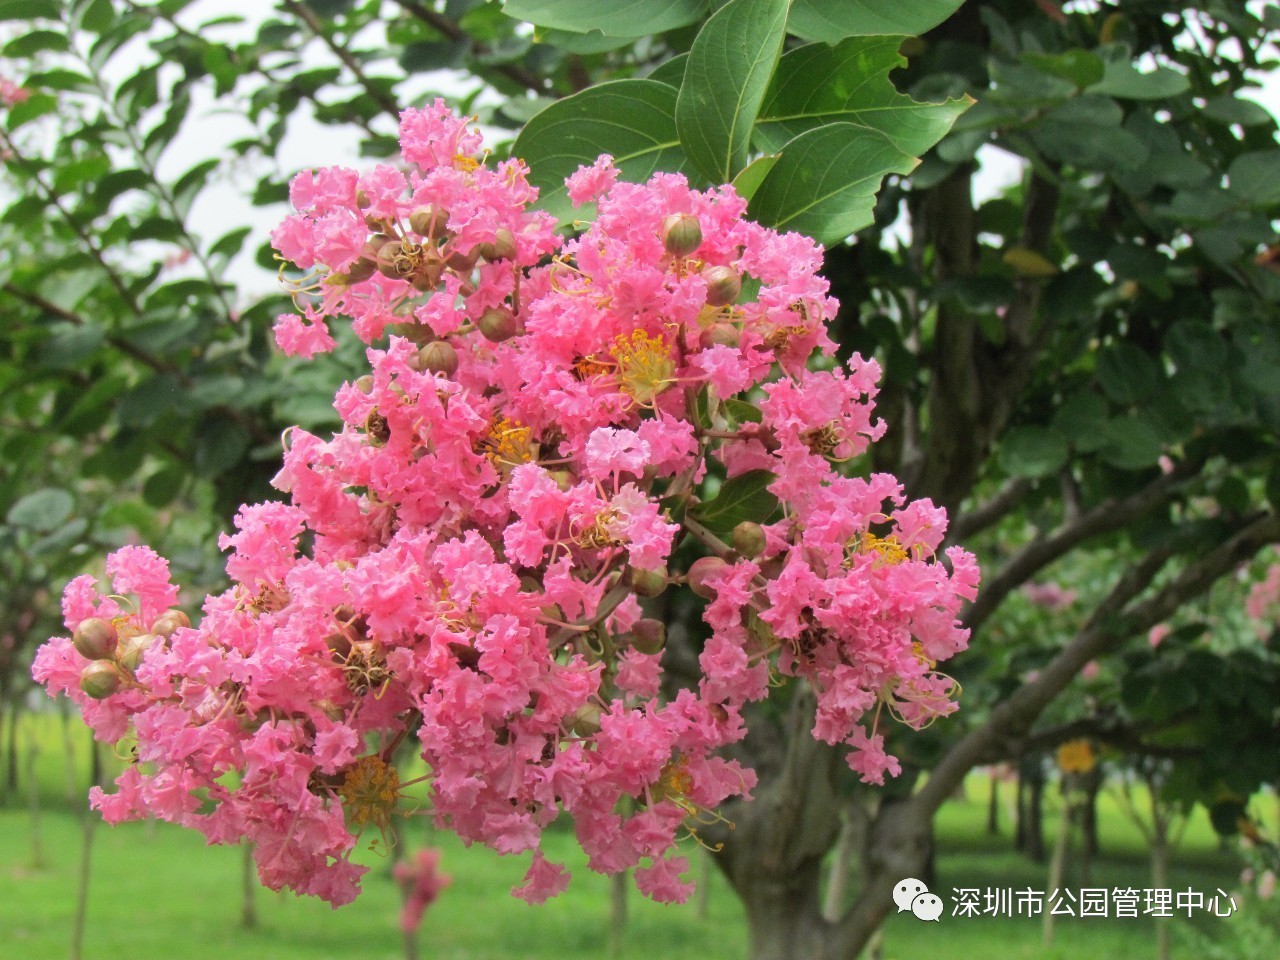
460,573
420,878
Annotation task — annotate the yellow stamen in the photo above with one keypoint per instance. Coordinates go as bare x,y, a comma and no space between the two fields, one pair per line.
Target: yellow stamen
369,792
645,367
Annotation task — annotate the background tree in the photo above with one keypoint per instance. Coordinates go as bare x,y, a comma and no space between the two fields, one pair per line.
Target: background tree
1082,369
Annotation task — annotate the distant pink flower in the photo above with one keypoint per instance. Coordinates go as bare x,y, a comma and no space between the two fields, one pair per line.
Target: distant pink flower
1050,595
11,94
1156,635
420,878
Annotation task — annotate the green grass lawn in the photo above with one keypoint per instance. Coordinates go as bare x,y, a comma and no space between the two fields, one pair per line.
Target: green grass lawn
157,891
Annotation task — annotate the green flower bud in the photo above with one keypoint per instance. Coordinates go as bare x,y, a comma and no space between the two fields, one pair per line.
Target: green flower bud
101,679
131,650
585,721
439,357
95,639
700,572
502,248
748,538
169,623
724,334
723,285
648,583
648,635
681,234
497,324
429,220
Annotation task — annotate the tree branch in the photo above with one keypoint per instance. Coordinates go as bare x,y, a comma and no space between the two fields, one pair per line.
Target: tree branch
1113,621
1003,502
450,30
305,14
1041,552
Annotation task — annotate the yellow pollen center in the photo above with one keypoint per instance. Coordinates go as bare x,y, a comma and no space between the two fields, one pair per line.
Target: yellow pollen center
369,791
645,367
507,444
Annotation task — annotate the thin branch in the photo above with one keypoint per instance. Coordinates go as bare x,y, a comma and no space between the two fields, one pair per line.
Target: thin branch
158,364
1041,552
253,64
989,512
303,13
450,30
91,244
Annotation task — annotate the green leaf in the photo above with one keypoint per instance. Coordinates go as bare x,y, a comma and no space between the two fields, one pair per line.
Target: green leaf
1081,419
824,183
1130,443
220,443
43,510
854,88
29,9
1252,176
831,20
742,411
745,497
1033,451
36,41
1080,67
1126,374
633,120
614,18
1123,80
725,82
749,178
163,486
671,72
229,244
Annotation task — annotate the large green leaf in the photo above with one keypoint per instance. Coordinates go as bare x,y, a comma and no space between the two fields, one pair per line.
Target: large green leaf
824,183
725,81
831,20
745,497
854,88
632,120
613,18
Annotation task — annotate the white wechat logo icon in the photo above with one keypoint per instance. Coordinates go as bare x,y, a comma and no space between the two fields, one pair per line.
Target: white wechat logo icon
911,894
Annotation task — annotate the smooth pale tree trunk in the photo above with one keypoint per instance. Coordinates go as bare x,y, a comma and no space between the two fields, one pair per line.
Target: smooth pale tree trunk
1061,849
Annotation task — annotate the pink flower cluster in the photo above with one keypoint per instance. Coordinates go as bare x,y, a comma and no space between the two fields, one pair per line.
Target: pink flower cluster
463,572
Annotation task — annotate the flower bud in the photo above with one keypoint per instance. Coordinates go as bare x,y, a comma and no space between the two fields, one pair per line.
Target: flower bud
364,384
648,583
339,645
429,220
723,285
748,538
648,635
360,271
95,639
439,357
101,679
722,334
426,276
131,650
681,234
461,261
390,262
497,324
585,721
503,246
703,569
169,623
563,479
